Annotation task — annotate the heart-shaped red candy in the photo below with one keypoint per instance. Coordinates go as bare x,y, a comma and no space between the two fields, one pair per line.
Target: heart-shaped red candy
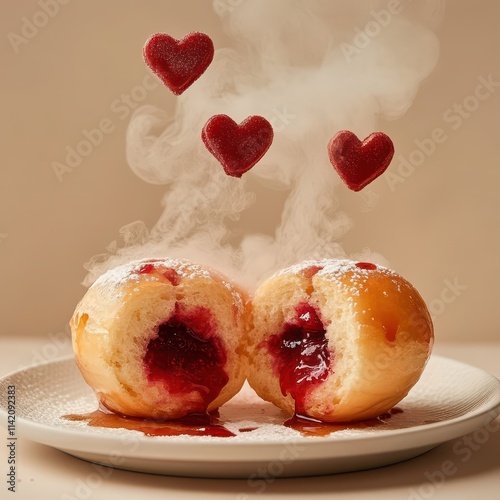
237,147
359,163
178,63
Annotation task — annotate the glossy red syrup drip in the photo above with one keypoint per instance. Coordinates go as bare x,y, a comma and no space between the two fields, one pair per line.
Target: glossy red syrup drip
191,425
188,356
366,265
301,353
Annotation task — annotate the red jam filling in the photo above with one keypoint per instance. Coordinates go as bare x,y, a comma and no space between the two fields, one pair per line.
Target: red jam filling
170,274
188,356
311,271
366,265
301,353
146,269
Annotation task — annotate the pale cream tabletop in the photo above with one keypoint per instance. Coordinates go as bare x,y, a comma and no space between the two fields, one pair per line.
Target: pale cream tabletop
47,473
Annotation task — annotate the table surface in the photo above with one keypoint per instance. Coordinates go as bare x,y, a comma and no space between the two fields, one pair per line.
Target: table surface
44,472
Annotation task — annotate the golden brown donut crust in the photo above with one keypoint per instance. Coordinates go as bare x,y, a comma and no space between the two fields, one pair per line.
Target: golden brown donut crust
378,328
121,312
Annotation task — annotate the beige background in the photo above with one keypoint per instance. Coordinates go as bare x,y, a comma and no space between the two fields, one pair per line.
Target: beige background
438,227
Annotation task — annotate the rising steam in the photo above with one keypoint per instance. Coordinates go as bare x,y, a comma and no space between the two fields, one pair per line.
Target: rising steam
306,67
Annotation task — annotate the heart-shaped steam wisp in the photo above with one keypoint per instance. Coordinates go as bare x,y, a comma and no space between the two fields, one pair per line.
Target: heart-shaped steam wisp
360,162
237,147
178,63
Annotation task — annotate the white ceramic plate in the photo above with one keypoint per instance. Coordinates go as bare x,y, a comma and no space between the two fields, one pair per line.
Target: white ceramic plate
450,400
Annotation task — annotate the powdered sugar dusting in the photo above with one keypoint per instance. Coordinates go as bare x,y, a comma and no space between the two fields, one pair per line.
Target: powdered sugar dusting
300,267
121,276
127,274
237,300
336,270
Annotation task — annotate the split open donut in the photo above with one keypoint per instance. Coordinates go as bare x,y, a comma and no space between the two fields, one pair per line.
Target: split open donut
161,338
337,340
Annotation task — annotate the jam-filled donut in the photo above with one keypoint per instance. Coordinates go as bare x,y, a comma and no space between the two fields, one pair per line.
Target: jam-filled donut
161,339
337,340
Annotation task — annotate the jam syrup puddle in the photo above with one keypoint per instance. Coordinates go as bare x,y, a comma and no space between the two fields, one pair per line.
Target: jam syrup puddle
213,424
308,426
191,425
